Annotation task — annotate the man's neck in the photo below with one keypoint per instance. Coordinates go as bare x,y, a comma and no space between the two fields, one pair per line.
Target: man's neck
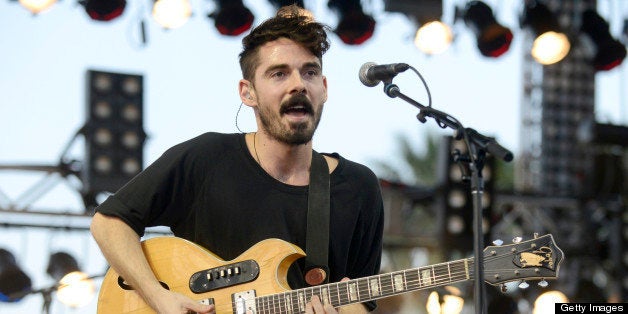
287,163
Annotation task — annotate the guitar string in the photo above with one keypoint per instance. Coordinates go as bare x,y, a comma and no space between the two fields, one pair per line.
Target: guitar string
453,275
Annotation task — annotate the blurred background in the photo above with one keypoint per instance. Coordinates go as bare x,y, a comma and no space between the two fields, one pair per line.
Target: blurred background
93,91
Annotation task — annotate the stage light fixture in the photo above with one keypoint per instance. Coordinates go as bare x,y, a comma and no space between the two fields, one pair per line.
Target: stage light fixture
493,39
432,36
113,132
103,10
609,52
550,45
14,283
37,6
447,301
171,14
281,3
547,300
75,288
231,17
354,26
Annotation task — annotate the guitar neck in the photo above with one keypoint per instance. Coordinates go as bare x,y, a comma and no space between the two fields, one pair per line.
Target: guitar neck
369,288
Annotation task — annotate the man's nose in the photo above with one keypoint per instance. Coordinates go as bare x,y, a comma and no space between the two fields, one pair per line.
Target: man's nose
297,83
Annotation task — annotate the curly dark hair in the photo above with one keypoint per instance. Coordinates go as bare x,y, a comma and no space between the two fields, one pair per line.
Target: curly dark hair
289,22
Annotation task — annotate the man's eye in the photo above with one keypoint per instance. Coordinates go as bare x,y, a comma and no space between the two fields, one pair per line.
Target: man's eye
278,74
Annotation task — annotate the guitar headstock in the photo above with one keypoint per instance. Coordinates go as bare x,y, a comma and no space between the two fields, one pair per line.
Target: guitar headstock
537,258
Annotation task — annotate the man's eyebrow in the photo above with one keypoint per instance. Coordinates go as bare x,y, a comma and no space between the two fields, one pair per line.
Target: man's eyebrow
308,65
312,65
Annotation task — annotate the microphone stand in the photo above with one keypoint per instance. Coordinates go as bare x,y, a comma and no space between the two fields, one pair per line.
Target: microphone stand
478,145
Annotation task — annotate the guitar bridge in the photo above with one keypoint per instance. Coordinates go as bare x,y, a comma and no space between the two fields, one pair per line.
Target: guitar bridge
224,276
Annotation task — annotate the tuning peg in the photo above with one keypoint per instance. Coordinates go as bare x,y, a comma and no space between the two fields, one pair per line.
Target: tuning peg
516,239
523,285
498,242
543,283
503,288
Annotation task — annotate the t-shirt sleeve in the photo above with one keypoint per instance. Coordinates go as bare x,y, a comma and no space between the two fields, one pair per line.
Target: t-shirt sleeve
157,196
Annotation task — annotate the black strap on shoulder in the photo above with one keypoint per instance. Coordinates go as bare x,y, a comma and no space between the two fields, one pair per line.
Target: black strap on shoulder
317,236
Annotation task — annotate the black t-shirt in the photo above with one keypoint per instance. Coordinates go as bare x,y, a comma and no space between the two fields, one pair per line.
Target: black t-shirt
211,191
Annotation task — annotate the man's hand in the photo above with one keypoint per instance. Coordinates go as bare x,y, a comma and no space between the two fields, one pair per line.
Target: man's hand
175,303
315,306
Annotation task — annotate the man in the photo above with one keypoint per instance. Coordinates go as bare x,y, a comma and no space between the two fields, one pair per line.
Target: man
227,192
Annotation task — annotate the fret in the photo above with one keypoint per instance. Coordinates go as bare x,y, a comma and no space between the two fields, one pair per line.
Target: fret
363,289
276,304
385,285
324,295
466,267
287,302
353,291
374,287
448,271
412,279
426,278
301,300
399,283
334,294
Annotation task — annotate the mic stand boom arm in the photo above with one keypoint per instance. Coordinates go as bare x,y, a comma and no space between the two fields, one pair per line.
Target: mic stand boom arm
478,145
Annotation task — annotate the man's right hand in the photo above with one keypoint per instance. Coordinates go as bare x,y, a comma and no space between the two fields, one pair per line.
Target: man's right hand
169,302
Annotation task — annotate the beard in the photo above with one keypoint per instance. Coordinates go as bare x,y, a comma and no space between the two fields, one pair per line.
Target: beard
295,133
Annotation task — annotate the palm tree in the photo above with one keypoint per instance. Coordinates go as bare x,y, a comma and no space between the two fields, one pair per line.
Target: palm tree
423,164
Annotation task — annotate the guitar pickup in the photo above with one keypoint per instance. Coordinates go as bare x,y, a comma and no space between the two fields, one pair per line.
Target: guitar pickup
224,276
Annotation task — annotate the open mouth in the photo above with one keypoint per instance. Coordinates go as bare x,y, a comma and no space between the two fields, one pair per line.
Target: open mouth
297,105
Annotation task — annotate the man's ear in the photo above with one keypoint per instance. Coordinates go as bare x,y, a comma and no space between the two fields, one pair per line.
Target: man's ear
325,85
247,93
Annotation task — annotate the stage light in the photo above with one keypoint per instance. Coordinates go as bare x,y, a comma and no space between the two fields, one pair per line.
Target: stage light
231,17
433,37
104,10
354,26
446,302
493,39
547,300
75,288
609,52
172,14
550,45
37,6
281,3
114,132
14,283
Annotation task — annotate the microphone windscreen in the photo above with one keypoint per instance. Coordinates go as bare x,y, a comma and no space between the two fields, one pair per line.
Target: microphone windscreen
364,69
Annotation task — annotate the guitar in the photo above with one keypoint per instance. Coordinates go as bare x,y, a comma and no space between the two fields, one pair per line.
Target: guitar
257,279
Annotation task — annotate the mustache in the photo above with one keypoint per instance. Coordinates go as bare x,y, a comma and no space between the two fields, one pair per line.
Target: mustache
297,100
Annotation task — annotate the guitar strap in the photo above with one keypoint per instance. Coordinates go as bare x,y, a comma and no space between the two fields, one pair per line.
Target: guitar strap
317,236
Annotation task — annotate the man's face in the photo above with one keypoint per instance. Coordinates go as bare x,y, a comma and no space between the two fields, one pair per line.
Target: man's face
290,90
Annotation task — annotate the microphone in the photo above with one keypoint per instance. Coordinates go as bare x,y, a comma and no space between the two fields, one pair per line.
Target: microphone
371,74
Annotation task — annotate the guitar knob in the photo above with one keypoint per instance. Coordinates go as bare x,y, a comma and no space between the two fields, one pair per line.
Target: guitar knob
498,242
543,283
517,239
523,285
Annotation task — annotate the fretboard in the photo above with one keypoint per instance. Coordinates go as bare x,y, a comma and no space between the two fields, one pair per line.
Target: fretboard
368,288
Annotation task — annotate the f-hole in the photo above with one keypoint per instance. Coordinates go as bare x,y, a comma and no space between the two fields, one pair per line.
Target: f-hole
126,286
